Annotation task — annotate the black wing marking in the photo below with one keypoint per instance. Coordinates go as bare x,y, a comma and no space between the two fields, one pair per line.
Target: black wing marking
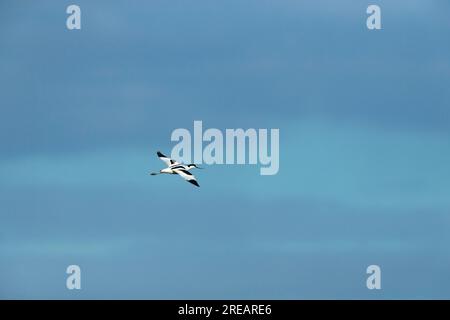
177,167
166,159
194,182
186,172
186,175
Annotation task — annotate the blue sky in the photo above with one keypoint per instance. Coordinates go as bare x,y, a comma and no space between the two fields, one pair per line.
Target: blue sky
364,149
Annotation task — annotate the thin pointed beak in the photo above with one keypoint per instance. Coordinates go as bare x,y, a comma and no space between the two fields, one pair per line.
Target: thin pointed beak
200,168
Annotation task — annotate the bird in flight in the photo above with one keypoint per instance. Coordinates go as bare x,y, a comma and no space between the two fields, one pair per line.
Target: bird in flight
174,167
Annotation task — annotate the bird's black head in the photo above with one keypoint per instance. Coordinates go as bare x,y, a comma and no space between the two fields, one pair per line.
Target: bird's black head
193,165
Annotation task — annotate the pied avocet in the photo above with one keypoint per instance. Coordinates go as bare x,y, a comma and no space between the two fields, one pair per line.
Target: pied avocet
174,167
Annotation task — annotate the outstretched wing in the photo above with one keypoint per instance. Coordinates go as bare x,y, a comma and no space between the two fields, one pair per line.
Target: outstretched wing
186,175
169,162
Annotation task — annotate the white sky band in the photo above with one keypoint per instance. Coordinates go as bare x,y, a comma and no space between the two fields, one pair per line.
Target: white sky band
240,145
